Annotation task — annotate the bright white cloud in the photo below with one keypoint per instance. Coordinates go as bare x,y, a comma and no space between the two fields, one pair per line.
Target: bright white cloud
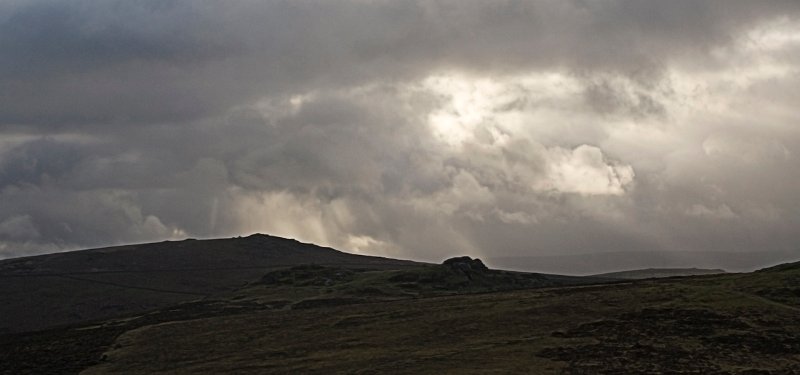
585,170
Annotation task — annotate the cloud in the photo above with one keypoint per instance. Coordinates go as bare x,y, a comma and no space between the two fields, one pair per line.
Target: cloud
122,62
416,129
721,212
584,170
19,227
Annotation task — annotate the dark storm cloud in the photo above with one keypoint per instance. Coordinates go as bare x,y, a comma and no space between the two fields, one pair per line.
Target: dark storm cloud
365,124
84,62
87,62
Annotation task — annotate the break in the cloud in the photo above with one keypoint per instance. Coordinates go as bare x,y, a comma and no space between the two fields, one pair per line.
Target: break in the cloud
414,129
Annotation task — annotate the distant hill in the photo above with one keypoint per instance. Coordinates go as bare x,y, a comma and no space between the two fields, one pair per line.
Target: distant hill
782,267
601,262
650,273
47,290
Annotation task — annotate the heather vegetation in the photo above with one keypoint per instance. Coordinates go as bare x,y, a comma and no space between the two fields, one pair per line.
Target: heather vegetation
458,316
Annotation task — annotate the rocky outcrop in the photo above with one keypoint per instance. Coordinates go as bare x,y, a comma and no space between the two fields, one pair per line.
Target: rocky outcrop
465,263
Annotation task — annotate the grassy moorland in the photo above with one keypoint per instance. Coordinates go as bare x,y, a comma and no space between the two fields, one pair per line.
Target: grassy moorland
454,318
743,323
324,311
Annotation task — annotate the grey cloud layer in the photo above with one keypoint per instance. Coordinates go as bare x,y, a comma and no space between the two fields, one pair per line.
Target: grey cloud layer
137,121
85,62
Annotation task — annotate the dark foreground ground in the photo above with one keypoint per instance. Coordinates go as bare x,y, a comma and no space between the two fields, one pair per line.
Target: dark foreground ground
442,319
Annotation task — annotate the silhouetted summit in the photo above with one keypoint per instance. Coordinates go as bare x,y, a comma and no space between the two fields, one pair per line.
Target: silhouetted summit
46,290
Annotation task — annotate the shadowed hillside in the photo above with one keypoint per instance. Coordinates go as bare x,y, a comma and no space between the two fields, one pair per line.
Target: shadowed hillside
47,290
382,315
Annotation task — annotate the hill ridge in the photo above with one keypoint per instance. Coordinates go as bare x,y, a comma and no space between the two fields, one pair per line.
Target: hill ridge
61,288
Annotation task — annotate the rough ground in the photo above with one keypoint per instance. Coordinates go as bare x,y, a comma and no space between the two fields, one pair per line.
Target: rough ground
446,319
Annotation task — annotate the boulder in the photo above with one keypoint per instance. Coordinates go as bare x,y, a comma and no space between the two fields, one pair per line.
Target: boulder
465,263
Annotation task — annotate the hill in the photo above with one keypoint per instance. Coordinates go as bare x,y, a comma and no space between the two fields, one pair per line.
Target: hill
612,261
651,273
49,290
458,316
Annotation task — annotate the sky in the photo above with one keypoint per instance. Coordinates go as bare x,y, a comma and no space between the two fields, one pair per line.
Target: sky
414,129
